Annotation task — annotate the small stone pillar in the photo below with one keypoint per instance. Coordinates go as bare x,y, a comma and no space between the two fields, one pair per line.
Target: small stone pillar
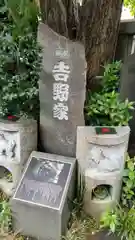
101,157
41,202
17,140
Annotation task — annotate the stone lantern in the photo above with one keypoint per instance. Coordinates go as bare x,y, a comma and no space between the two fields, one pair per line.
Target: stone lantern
101,155
17,141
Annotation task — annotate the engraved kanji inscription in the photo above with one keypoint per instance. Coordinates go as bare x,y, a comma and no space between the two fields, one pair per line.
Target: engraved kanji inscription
60,92
61,71
60,111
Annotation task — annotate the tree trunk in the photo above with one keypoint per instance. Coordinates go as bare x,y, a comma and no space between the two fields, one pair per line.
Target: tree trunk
100,25
94,22
61,16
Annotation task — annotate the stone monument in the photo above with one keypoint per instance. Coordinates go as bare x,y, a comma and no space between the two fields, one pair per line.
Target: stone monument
17,140
101,158
62,92
41,203
127,90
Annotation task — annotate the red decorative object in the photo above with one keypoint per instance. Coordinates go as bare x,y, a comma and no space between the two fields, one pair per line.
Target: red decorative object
11,117
105,130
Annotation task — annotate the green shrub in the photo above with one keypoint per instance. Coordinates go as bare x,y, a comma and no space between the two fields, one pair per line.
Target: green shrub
5,216
104,108
107,110
20,62
120,222
23,15
128,188
111,77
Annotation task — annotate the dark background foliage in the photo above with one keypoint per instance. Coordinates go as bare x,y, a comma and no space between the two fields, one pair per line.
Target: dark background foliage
20,59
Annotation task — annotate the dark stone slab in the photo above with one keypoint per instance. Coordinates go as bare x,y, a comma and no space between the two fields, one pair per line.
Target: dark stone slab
62,92
41,203
127,90
40,177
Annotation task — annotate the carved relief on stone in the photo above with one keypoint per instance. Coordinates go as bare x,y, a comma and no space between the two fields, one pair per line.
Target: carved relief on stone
17,141
104,159
7,146
48,170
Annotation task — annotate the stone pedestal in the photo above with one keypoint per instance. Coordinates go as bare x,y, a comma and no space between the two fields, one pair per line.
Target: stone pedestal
17,140
42,201
61,91
101,159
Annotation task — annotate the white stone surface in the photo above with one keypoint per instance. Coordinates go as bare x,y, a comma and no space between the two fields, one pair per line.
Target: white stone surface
17,140
101,160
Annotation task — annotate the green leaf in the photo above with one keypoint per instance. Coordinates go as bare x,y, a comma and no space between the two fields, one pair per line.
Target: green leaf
125,172
132,175
130,165
129,183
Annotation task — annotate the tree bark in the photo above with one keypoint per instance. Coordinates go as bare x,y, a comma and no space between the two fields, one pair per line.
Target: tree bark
54,14
61,16
100,25
95,23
